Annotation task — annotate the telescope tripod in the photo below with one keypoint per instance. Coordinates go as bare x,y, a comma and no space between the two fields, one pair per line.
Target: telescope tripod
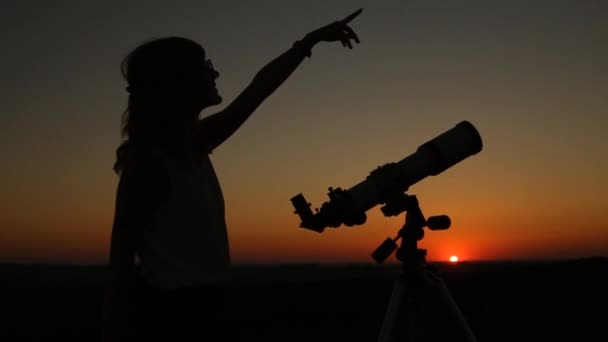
417,288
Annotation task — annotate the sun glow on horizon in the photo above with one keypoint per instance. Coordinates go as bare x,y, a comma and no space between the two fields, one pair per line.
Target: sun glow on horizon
454,259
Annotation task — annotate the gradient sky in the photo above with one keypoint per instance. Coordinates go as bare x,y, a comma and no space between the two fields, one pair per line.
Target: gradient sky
530,75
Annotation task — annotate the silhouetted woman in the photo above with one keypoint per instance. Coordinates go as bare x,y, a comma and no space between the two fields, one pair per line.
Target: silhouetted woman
169,207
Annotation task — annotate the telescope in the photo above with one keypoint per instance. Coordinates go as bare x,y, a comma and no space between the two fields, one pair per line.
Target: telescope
387,183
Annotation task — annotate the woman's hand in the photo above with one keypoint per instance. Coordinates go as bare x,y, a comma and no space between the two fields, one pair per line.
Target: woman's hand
338,30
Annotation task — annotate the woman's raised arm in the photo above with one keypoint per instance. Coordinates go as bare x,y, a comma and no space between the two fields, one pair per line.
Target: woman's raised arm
218,127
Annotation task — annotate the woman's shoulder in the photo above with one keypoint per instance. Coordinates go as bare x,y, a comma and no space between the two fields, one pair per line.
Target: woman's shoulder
143,170
144,180
131,154
143,159
146,153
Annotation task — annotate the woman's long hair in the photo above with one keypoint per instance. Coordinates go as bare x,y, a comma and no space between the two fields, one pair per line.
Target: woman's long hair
158,75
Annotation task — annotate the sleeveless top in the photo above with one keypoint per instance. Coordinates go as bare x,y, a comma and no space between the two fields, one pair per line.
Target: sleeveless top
187,242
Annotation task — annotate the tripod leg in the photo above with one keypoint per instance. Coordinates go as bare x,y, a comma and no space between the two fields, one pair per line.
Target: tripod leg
404,318
444,296
392,311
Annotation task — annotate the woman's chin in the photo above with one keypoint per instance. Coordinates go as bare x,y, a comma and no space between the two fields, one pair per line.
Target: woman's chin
217,99
213,98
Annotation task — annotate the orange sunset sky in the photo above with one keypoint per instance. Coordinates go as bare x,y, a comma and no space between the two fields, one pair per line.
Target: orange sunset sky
530,75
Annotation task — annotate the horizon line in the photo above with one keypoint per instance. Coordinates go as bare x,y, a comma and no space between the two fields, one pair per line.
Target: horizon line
325,263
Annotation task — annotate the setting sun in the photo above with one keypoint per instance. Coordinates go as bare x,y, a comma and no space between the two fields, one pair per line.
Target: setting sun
453,258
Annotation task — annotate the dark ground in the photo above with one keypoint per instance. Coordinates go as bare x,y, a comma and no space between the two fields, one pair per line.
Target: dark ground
507,301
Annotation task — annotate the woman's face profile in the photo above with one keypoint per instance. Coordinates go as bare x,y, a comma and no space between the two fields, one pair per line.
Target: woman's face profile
199,83
208,86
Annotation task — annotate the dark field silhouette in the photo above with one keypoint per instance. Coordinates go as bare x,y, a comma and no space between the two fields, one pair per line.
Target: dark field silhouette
502,301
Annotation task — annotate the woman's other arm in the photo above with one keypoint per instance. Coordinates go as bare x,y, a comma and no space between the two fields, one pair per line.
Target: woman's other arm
142,187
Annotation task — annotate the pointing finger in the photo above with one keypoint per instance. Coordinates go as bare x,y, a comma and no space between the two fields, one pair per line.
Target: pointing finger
352,16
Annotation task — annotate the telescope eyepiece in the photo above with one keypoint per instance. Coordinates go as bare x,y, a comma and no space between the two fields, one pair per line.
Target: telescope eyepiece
309,220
